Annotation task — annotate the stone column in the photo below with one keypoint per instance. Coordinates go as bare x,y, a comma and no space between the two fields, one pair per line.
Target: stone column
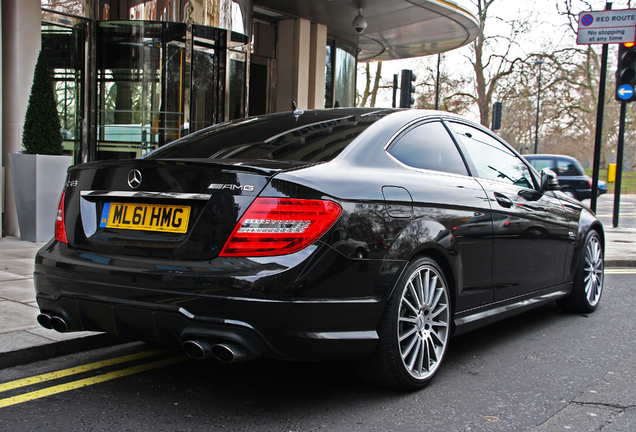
317,60
293,64
21,42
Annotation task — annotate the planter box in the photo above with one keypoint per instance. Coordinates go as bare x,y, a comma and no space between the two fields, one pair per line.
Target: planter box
38,181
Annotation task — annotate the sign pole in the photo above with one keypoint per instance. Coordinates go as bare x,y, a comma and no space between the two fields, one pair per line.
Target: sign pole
619,163
395,87
599,122
439,60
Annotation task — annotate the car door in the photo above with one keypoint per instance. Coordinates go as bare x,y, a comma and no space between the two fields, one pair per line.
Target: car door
530,228
443,192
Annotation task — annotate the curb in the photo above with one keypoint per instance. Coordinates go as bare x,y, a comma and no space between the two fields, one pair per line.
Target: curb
57,349
620,263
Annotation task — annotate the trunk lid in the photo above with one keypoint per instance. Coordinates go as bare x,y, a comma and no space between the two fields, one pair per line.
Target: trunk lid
183,209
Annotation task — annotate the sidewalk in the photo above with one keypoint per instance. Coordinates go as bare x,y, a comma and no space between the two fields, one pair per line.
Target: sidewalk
23,340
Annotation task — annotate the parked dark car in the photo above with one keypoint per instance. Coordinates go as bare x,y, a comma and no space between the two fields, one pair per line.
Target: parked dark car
248,239
572,178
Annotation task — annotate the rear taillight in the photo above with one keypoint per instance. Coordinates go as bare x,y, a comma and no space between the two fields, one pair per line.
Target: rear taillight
280,226
60,228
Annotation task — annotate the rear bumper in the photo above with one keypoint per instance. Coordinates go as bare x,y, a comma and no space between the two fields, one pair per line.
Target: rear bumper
316,304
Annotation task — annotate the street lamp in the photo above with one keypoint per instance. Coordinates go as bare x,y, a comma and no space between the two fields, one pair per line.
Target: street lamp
536,132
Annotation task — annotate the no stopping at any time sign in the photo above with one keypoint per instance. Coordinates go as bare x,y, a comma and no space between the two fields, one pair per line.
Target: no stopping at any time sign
606,27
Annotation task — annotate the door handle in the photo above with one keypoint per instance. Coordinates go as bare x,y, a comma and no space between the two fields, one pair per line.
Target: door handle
503,200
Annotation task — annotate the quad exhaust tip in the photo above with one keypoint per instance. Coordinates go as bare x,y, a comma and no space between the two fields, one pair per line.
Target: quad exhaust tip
53,322
59,324
45,321
226,352
198,349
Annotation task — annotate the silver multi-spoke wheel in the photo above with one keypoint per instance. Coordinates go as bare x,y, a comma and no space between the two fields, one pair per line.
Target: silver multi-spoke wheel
587,285
423,322
593,270
414,330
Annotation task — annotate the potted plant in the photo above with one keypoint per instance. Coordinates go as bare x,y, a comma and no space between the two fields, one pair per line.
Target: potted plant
38,173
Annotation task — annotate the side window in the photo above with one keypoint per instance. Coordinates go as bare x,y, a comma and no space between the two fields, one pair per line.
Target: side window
492,159
429,146
540,164
567,168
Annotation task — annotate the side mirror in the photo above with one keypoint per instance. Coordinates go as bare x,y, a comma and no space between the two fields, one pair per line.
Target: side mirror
549,180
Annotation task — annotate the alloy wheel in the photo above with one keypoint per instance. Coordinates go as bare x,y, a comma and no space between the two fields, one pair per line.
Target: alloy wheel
593,270
423,322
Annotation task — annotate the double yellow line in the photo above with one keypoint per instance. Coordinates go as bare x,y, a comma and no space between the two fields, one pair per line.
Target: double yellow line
37,394
615,270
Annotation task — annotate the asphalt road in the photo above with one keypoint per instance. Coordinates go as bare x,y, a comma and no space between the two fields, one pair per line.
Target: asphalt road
513,375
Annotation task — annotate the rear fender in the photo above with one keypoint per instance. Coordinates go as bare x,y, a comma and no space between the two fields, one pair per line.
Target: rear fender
432,239
587,221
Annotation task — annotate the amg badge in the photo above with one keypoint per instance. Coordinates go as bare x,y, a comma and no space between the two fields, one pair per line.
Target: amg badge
245,188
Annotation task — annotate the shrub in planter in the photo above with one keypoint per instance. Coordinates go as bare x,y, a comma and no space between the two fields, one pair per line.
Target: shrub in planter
38,174
41,133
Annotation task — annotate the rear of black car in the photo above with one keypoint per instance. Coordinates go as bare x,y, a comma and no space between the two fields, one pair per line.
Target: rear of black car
198,244
572,178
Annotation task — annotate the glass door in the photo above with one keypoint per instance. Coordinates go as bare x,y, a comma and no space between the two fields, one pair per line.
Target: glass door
63,48
129,68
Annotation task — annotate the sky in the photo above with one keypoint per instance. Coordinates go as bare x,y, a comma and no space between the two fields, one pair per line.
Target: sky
545,29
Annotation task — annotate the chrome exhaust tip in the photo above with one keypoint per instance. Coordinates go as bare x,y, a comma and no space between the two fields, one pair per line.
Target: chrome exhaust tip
229,352
58,324
198,349
45,321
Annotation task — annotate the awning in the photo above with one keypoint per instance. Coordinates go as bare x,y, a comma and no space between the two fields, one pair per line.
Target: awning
396,28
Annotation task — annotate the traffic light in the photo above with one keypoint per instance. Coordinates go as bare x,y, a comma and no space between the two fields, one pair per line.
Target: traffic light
496,116
395,88
407,88
626,72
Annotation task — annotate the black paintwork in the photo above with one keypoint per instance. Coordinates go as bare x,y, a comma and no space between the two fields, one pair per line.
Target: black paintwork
503,248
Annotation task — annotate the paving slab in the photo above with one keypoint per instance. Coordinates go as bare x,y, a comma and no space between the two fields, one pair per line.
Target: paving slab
20,290
18,266
16,316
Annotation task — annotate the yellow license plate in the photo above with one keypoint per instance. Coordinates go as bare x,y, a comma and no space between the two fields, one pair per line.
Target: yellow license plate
145,217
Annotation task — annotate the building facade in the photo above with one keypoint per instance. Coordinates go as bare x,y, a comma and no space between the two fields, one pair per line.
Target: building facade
133,75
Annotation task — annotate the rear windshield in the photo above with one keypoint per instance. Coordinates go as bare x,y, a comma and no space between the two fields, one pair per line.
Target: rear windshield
311,137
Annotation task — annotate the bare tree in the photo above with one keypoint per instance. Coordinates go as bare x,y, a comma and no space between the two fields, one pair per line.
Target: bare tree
490,66
372,84
69,6
426,87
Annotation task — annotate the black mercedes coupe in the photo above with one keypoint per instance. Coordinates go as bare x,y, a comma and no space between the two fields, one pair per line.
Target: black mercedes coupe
364,234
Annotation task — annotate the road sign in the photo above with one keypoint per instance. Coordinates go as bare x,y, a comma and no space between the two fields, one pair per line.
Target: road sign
625,92
607,27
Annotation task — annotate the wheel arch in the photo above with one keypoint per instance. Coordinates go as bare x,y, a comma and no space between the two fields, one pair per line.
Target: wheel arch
451,272
450,265
587,223
428,238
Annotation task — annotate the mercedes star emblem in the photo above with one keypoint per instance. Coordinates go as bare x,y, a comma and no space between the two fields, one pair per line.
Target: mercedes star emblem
134,178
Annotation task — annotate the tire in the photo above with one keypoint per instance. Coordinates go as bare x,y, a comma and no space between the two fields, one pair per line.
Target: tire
414,329
588,279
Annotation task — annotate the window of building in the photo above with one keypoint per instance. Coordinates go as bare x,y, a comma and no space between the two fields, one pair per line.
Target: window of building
340,75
